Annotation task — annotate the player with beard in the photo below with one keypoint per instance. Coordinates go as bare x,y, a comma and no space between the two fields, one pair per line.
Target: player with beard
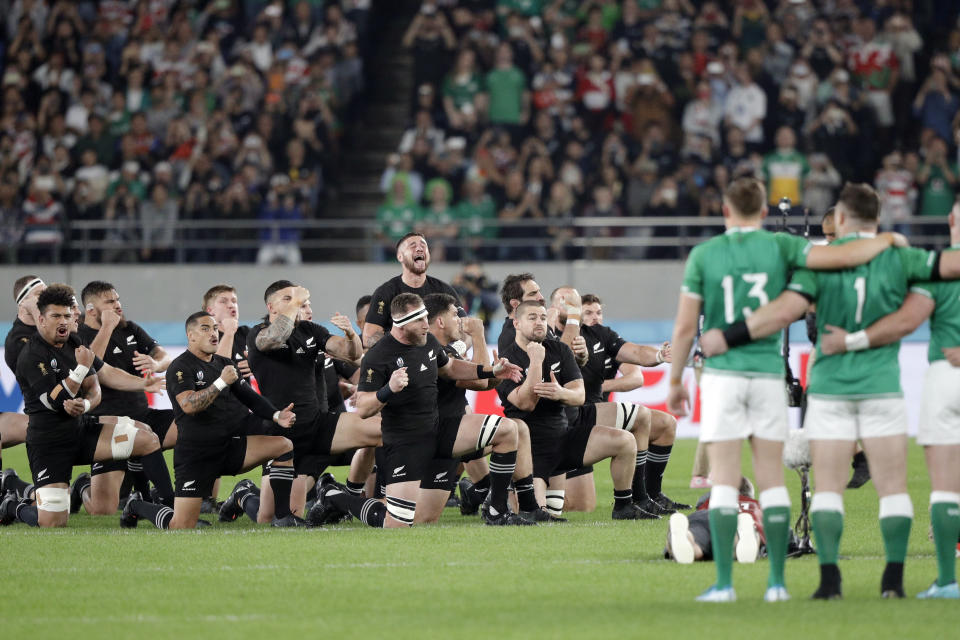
413,254
126,346
553,382
59,388
213,406
283,354
657,430
451,331
108,376
521,287
399,380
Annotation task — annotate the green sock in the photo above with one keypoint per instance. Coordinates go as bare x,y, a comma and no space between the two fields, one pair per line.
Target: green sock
945,517
776,528
896,534
723,528
827,529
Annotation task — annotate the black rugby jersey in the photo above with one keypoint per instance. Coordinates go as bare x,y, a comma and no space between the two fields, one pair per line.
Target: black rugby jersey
547,415
124,341
222,419
412,412
288,374
603,345
379,311
17,338
332,371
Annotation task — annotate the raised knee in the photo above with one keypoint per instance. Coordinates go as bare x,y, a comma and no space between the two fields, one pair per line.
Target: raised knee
626,441
285,446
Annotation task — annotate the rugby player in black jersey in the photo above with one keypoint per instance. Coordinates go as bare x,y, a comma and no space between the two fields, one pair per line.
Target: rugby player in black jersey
283,354
220,301
413,254
656,430
213,406
553,382
13,426
398,379
60,389
107,375
126,346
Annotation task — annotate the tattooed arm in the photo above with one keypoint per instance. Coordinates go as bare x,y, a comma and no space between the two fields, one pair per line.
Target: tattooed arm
193,402
287,303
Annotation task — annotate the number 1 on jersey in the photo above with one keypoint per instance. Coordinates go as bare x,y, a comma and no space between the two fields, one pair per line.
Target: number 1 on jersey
757,281
860,284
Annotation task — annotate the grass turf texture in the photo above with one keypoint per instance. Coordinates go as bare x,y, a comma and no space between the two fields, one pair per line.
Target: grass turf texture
591,577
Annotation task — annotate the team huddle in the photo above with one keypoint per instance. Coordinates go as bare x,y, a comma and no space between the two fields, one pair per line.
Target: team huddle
275,395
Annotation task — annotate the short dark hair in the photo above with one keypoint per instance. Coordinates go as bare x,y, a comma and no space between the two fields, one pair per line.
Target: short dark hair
437,303
828,215
215,291
57,295
528,303
95,288
860,201
194,318
362,302
21,283
746,195
589,298
410,235
403,301
276,286
512,289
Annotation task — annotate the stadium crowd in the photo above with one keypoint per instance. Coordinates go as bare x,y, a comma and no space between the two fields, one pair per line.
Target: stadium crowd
143,114
530,112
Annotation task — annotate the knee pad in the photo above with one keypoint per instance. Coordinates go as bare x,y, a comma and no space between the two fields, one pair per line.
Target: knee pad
124,433
487,431
52,499
555,501
401,510
627,414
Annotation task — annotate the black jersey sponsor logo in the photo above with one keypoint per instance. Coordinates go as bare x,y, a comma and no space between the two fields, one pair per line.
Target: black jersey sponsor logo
300,350
179,376
400,362
310,342
380,307
53,362
199,375
130,339
237,356
117,350
555,366
423,367
369,375
597,348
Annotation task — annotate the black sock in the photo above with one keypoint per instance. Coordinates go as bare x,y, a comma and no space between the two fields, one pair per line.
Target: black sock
892,577
478,492
502,466
859,460
160,515
27,514
657,459
829,578
367,510
355,488
639,477
281,481
526,500
622,498
250,503
127,485
155,468
140,481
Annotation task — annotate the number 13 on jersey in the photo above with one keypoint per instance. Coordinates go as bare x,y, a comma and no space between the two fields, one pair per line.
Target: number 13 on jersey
757,282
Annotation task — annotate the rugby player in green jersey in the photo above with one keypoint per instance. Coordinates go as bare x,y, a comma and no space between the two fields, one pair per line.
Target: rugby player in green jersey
855,394
742,391
939,431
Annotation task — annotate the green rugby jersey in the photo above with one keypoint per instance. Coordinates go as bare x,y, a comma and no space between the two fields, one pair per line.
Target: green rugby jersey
945,320
854,299
735,274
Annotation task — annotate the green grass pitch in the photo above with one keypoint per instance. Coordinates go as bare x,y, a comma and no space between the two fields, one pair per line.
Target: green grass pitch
589,578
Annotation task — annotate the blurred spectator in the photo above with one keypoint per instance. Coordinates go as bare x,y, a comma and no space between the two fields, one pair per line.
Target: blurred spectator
876,69
702,117
279,244
746,107
821,185
476,216
438,220
478,292
559,210
43,220
463,97
602,206
937,179
896,189
122,210
11,218
935,104
518,204
507,88
396,217
430,37
158,224
785,169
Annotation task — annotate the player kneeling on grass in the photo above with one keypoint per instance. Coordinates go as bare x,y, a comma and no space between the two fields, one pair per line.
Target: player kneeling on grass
398,379
59,389
688,537
212,406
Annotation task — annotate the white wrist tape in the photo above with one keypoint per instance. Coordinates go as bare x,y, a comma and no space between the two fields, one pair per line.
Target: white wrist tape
86,405
220,384
857,341
78,373
276,416
659,356
572,321
497,367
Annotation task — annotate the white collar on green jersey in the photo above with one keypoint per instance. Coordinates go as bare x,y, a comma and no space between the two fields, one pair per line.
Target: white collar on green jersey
861,234
741,229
